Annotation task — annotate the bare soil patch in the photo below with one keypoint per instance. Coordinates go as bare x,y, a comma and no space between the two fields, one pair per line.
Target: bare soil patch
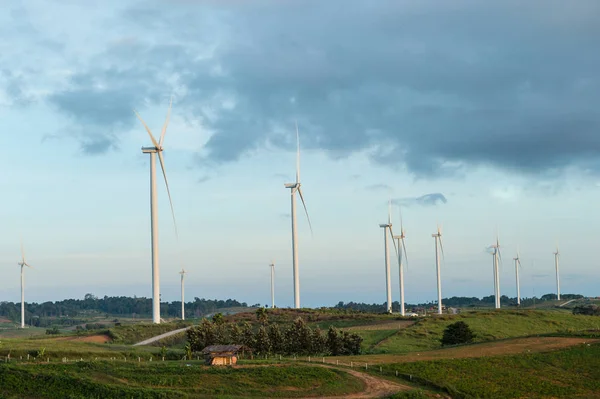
390,325
98,339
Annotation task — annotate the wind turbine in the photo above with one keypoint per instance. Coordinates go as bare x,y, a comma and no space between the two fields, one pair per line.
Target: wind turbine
22,263
517,266
387,227
401,246
156,148
295,187
438,238
182,272
556,256
272,265
497,257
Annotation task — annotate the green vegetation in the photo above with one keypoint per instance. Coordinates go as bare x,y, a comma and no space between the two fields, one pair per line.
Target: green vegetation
569,373
168,380
133,333
487,326
457,333
295,339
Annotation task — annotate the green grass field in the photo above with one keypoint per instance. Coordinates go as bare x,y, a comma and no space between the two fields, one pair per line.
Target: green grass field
568,373
170,380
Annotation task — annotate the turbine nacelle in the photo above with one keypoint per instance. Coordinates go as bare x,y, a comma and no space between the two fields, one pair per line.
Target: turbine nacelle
151,150
292,185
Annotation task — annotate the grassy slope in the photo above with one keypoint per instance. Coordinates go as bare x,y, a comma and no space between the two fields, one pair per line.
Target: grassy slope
121,380
133,333
487,326
569,373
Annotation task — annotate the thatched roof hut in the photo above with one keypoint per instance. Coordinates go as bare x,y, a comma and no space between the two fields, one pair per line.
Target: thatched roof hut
221,355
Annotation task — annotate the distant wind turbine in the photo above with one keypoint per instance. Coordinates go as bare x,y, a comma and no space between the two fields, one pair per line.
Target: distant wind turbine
497,258
517,266
438,238
387,227
22,263
182,272
295,187
401,250
272,266
556,256
157,148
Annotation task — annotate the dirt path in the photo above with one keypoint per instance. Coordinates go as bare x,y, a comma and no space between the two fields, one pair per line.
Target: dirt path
374,387
506,347
99,339
161,336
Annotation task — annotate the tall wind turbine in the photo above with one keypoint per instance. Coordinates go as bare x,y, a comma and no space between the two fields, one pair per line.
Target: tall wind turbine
401,247
22,263
438,238
295,187
497,258
517,266
272,265
387,227
556,256
182,272
156,148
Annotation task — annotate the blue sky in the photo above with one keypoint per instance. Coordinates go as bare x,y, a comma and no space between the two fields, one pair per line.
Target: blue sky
493,105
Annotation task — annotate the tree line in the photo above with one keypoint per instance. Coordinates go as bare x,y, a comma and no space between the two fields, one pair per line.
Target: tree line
72,311
454,301
269,338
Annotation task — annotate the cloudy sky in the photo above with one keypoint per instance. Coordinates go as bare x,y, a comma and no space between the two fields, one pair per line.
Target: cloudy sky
480,116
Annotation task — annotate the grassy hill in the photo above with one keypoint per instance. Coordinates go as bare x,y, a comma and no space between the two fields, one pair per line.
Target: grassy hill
171,380
568,373
487,325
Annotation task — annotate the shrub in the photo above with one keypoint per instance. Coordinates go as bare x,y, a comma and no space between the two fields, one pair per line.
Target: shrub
457,333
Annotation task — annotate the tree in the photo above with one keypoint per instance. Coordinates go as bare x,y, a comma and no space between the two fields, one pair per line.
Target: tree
218,318
457,333
201,336
261,315
319,341
262,342
334,343
247,336
276,339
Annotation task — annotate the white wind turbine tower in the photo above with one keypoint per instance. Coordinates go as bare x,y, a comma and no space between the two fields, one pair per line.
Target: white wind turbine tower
387,227
438,238
22,263
272,266
517,266
401,247
182,272
497,257
157,148
295,187
556,256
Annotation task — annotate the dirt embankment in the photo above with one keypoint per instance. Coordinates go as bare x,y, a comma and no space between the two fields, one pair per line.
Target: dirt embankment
99,339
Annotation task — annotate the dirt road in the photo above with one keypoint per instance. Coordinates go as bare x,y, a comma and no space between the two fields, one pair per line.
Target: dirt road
161,336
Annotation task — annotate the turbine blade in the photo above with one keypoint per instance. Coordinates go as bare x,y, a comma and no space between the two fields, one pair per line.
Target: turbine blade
394,241
390,211
441,247
405,257
305,210
164,129
297,154
147,129
22,251
162,165
401,224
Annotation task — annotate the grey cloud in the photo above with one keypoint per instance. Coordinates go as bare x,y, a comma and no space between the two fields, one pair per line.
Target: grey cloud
435,88
432,199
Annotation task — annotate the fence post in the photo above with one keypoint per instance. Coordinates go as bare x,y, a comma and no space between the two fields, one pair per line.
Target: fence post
163,358
309,359
366,366
139,359
28,356
323,360
380,370
337,362
350,364
396,373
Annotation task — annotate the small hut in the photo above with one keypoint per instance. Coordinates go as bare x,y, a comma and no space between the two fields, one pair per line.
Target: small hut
223,355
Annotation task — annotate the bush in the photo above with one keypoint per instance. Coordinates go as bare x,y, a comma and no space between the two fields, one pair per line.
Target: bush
457,333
